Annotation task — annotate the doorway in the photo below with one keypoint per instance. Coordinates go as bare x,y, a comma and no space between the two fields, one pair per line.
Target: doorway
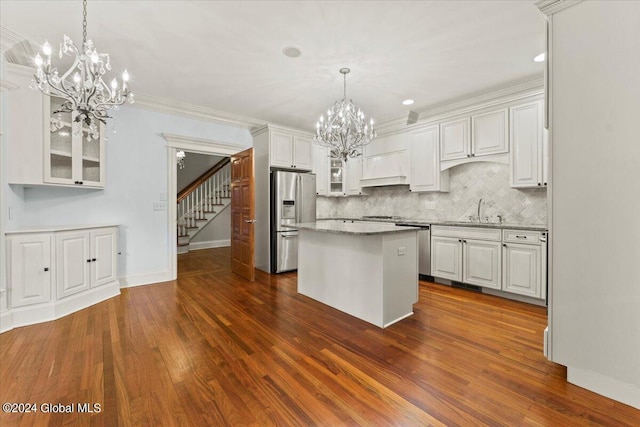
190,145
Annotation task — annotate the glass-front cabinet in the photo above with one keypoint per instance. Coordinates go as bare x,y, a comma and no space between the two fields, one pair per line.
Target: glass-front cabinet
336,176
73,154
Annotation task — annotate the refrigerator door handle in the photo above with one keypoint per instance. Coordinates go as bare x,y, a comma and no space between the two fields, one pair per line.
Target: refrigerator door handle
298,198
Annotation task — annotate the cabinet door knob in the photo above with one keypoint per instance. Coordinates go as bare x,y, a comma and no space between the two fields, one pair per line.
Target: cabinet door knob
93,260
46,269
89,260
460,240
468,155
545,183
504,244
539,184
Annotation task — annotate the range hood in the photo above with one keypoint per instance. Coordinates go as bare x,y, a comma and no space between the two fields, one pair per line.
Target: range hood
386,169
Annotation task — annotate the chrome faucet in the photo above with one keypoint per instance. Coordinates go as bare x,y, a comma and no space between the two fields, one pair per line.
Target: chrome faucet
479,205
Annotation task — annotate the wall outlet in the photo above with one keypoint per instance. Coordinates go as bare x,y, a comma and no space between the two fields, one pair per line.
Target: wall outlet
159,206
430,205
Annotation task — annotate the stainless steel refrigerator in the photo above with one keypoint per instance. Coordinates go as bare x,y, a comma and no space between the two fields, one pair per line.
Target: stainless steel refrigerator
293,199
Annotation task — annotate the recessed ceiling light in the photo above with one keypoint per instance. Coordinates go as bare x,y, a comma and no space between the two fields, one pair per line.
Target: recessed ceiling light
539,58
291,52
407,102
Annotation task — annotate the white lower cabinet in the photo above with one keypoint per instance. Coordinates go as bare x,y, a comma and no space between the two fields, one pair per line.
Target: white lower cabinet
524,263
29,266
55,272
466,254
446,258
85,259
481,263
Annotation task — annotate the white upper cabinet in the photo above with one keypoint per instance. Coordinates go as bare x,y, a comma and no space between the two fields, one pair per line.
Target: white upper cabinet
44,148
489,133
353,174
528,146
425,161
455,139
289,151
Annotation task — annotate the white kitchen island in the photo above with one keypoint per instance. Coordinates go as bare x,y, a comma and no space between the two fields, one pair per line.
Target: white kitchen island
367,270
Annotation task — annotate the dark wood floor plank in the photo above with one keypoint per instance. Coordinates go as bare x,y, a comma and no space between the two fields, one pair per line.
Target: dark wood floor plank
213,349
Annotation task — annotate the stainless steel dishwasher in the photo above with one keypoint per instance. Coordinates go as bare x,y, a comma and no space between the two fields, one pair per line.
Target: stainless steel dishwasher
424,249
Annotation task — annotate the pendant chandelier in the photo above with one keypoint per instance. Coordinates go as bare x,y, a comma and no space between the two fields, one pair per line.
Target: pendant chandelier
85,94
345,128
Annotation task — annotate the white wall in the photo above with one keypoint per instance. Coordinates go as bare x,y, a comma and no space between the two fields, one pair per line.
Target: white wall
217,233
595,197
136,177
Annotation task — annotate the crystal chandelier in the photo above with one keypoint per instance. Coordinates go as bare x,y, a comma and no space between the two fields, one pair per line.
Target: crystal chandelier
180,155
86,95
345,128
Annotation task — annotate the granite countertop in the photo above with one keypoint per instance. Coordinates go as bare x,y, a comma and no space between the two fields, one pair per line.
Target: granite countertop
408,221
347,227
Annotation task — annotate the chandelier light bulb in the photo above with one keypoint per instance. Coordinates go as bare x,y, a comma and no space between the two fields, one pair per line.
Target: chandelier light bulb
76,77
46,48
114,84
38,60
95,58
125,76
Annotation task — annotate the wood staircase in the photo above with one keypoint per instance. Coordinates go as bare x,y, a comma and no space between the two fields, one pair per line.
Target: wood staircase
201,201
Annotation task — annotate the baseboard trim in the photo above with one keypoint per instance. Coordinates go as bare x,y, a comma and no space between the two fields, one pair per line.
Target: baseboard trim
194,246
52,310
624,392
144,279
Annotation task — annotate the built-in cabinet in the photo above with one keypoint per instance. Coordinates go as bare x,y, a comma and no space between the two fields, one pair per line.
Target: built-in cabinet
529,146
455,139
320,166
53,149
425,173
54,272
289,151
512,261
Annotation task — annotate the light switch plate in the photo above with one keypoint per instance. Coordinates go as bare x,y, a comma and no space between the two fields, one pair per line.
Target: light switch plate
430,205
402,250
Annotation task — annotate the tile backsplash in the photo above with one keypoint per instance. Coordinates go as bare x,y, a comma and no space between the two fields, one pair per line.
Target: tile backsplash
468,183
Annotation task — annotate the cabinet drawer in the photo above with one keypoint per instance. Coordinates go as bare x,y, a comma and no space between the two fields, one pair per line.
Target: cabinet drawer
467,232
521,236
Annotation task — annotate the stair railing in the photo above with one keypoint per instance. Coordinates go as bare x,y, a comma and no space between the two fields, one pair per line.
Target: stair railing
202,196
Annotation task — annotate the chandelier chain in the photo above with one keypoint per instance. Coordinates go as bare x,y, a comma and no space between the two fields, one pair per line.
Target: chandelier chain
84,21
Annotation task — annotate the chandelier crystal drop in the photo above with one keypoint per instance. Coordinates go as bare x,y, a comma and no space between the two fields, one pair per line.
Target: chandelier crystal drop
180,155
86,96
345,128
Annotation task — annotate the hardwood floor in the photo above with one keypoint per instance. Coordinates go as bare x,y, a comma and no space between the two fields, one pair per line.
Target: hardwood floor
213,349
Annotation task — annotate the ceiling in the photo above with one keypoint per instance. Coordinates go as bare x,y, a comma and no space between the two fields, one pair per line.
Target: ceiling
227,55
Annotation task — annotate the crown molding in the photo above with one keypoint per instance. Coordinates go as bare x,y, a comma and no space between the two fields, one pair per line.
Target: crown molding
549,7
192,111
8,38
492,99
272,126
201,145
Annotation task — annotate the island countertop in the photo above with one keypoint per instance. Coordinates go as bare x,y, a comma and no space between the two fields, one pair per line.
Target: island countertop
341,227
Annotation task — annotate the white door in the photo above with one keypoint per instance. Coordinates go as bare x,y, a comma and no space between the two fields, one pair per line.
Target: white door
320,159
489,133
302,153
425,160
103,257
481,263
455,142
30,274
522,269
73,262
446,258
526,145
281,150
